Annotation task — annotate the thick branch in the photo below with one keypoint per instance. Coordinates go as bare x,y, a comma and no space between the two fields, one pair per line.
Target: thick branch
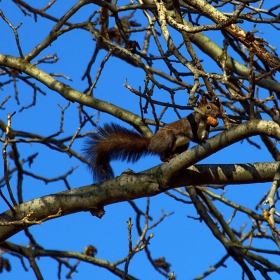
131,186
73,95
235,31
255,127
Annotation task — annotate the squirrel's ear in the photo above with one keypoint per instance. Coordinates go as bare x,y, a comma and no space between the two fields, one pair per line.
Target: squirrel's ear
203,101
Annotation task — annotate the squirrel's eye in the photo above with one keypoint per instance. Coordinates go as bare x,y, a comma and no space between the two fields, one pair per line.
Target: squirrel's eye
208,107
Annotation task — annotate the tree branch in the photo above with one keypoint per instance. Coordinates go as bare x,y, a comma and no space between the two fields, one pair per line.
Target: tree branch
130,186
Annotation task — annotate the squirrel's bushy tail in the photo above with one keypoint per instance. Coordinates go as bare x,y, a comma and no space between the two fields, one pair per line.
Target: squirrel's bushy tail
113,142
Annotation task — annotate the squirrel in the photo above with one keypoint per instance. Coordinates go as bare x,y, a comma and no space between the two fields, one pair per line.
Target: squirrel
114,142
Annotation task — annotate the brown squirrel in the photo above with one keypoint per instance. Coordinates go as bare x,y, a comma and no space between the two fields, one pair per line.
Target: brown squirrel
114,142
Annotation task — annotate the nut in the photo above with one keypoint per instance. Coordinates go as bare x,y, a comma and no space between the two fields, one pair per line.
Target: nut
212,121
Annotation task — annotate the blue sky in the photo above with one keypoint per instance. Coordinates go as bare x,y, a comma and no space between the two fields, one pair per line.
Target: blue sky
186,243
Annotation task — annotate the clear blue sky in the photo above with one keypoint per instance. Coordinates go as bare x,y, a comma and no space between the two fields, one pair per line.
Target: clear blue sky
186,243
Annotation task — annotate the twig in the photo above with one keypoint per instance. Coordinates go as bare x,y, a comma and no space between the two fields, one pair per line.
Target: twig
6,164
14,30
28,221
